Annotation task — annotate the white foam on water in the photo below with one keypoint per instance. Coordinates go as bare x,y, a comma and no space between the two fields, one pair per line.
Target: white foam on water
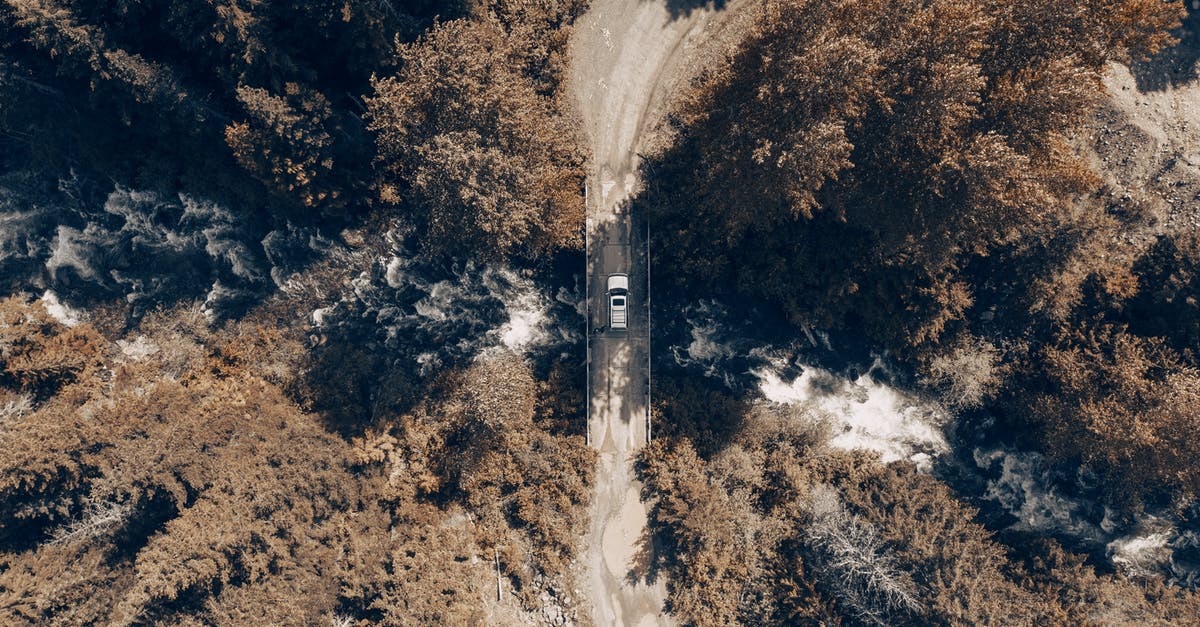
440,302
705,350
866,414
526,320
219,295
466,297
72,248
529,324
60,311
320,315
1026,490
142,244
1144,554
395,273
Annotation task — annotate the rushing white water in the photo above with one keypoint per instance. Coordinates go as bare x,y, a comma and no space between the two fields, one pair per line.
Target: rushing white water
59,311
706,350
1155,546
18,229
150,248
144,246
145,234
1141,555
527,320
1025,488
320,316
432,313
867,414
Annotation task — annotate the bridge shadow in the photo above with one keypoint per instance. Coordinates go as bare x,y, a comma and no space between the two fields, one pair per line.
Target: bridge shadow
1176,65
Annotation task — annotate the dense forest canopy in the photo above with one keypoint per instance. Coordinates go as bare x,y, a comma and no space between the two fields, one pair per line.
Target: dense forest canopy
900,168
914,173
478,148
290,228
283,111
776,528
278,80
163,464
171,479
916,135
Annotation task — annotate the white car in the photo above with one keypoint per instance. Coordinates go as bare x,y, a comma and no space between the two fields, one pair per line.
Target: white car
618,301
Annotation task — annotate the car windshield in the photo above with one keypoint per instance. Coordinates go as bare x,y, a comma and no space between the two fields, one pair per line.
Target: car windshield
618,301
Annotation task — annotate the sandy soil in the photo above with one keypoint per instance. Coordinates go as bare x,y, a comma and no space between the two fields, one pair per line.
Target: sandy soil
1145,139
1146,145
628,58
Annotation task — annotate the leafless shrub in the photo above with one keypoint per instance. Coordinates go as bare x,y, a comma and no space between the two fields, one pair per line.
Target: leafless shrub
968,374
97,520
857,566
14,406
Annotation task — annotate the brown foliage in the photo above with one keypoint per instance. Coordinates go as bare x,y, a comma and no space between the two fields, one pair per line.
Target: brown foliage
133,494
539,32
420,572
277,80
1126,407
968,373
886,164
138,488
777,529
871,150
478,447
284,145
1085,597
66,585
38,355
488,163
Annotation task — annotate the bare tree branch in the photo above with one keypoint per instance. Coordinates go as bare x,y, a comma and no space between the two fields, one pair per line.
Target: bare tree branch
855,562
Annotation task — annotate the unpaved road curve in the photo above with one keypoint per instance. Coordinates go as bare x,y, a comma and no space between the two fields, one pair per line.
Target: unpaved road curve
628,56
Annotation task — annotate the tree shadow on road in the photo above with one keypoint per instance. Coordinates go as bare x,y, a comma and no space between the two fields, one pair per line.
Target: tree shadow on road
684,8
1176,65
647,560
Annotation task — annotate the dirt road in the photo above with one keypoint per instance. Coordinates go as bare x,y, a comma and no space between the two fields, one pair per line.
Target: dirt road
628,56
